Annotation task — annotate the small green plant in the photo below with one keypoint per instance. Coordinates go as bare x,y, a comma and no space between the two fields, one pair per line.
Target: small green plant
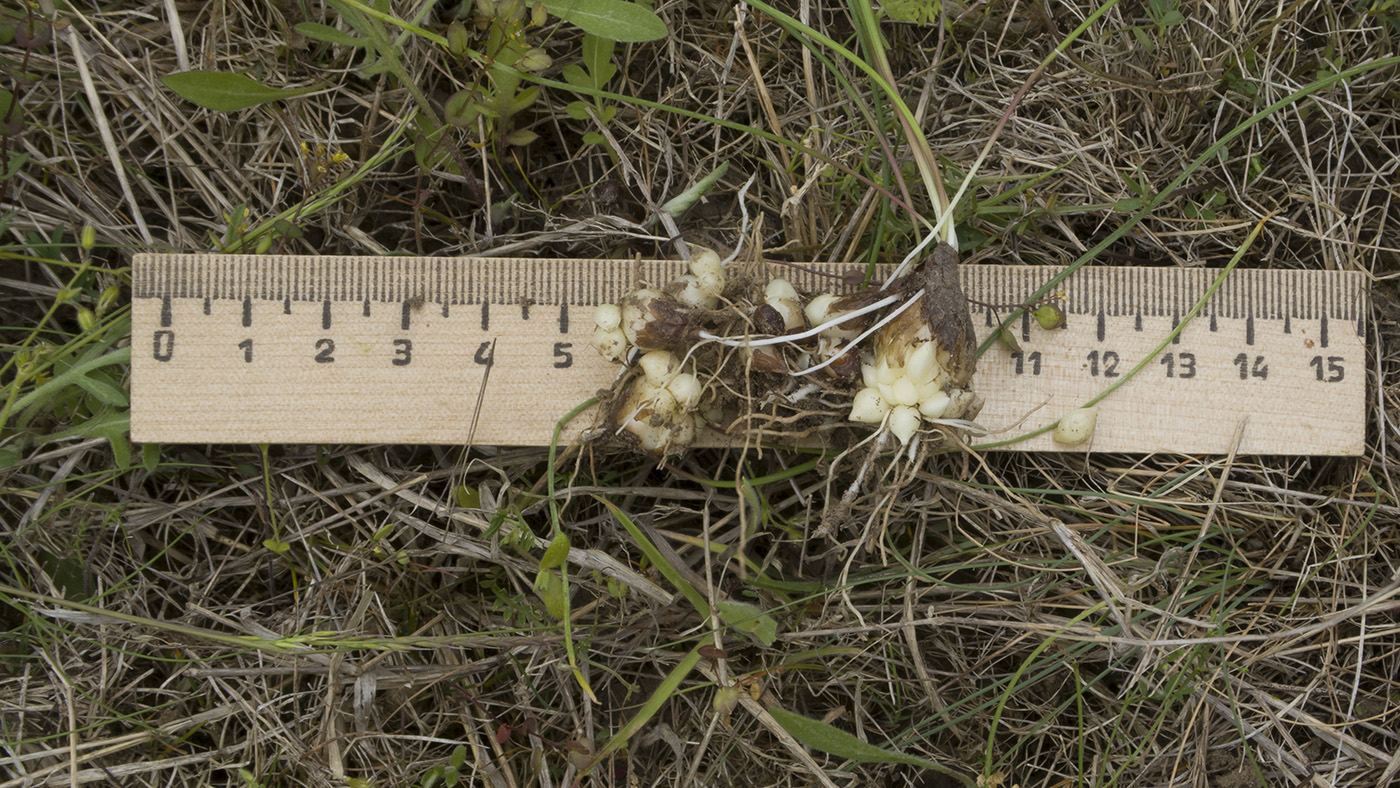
30,33
1164,14
496,97
64,380
595,73
919,12
446,774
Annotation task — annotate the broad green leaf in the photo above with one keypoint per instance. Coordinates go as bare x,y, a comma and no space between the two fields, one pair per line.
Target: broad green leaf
72,377
103,391
617,20
222,91
150,456
576,110
576,76
461,109
830,739
557,553
328,34
112,425
468,497
687,198
554,592
524,99
749,619
597,55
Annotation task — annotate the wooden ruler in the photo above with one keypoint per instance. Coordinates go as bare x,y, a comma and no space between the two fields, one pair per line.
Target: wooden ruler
245,349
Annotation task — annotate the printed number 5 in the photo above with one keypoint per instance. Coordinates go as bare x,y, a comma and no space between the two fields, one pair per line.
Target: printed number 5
561,352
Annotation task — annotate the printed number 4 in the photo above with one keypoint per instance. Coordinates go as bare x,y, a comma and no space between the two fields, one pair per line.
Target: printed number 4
1258,370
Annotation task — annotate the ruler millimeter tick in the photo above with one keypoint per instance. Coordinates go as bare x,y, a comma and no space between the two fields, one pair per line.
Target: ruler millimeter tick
257,349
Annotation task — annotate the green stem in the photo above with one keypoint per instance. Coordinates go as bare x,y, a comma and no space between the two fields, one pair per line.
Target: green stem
1173,334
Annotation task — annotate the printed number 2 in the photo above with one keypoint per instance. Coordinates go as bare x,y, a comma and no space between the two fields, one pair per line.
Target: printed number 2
325,348
1110,363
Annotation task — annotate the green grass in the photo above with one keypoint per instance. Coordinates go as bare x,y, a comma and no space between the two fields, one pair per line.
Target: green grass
372,616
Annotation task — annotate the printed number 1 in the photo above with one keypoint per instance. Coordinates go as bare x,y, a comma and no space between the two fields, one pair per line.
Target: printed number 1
247,346
1258,370
1181,365
1335,371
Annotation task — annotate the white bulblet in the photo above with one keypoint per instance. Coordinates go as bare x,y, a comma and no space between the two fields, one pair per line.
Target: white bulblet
930,389
935,405
919,366
712,284
636,312
611,343
904,422
607,316
657,365
706,262
683,430
791,311
818,310
1077,426
689,290
867,375
663,403
778,290
686,389
868,407
887,374
651,440
903,392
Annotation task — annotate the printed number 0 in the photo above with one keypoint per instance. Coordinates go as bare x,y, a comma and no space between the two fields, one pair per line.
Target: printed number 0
163,345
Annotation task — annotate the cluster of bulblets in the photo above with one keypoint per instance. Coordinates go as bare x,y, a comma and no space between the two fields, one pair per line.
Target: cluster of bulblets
872,353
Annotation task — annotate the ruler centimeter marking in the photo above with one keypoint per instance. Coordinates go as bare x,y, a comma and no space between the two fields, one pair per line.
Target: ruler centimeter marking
245,349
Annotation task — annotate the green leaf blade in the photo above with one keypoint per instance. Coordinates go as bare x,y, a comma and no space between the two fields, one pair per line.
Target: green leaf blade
832,740
330,35
616,20
749,619
222,91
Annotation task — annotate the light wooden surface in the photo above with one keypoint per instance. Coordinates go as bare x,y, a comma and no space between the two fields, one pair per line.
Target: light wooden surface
197,319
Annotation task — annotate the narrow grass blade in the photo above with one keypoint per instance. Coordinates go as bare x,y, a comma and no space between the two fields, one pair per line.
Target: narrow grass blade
692,594
830,739
663,693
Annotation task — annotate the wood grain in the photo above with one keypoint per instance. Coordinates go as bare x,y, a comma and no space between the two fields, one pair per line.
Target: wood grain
1296,336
